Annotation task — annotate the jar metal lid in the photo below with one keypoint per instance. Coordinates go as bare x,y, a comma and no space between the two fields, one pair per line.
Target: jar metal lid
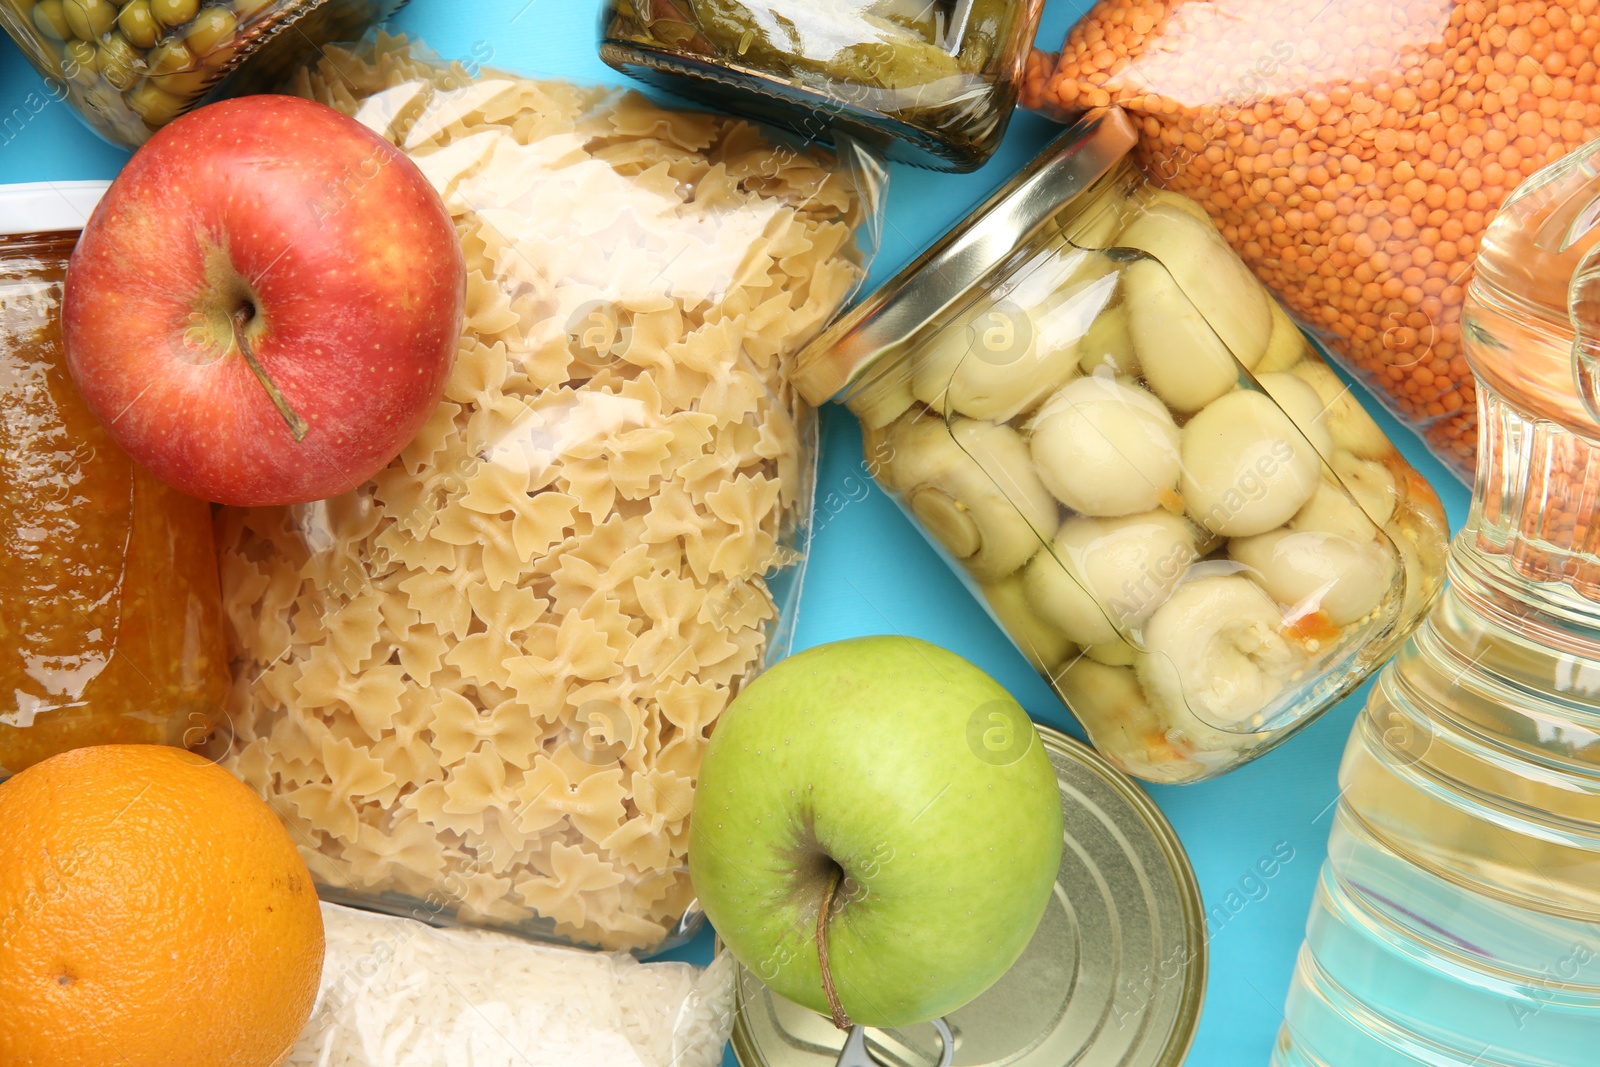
48,207
1114,976
936,280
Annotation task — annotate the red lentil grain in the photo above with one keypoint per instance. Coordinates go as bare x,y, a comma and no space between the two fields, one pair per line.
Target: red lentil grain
1362,200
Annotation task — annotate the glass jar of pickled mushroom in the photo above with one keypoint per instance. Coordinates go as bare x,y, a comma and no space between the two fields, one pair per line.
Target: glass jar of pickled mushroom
110,615
129,67
1177,512
927,82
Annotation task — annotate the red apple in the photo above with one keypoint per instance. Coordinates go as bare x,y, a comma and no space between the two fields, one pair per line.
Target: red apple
264,306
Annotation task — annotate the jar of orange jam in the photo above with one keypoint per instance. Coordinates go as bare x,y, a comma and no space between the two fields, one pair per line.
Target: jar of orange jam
110,615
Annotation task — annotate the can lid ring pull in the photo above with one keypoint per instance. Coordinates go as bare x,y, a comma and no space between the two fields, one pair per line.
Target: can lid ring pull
855,1052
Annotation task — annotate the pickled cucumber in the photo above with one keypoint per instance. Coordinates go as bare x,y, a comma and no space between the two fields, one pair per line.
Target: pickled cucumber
885,44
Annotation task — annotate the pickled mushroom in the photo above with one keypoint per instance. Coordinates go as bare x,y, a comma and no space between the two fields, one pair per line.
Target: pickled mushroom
1286,345
973,488
1371,484
1246,467
1111,704
1102,692
991,363
1303,406
1212,277
1113,653
1181,357
1105,448
882,400
1153,196
1310,570
1214,650
1109,344
1103,576
1352,428
1330,510
1043,645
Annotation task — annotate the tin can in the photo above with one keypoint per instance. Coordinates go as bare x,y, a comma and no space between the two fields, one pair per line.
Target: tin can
927,83
1137,462
1114,977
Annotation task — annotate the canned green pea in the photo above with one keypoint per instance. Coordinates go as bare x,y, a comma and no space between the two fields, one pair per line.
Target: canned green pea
130,66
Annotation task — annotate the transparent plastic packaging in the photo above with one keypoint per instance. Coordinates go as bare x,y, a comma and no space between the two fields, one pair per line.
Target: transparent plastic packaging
398,993
499,661
128,67
109,612
1352,151
1168,501
929,82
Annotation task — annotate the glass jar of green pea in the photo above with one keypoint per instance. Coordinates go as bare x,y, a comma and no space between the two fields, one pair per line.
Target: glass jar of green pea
129,67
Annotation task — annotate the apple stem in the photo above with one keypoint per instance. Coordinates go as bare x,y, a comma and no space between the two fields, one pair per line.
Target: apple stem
297,425
835,1005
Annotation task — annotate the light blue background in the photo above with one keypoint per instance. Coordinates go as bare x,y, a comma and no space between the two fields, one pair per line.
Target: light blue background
870,572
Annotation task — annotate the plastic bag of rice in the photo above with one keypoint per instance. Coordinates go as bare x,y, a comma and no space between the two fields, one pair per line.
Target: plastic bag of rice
399,993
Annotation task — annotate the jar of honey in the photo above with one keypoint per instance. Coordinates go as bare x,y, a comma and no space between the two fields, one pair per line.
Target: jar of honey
110,615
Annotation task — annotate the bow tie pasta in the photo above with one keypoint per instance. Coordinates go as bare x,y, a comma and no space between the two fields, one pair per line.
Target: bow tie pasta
478,687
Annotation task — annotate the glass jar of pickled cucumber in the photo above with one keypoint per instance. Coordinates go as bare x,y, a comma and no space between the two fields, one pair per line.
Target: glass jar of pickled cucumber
1178,513
110,614
927,82
131,66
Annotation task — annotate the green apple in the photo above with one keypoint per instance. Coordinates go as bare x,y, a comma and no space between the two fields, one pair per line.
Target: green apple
880,812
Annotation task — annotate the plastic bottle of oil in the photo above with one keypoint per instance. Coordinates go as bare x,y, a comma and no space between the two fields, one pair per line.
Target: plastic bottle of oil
1457,920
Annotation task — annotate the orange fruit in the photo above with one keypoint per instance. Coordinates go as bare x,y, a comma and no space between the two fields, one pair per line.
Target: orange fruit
153,913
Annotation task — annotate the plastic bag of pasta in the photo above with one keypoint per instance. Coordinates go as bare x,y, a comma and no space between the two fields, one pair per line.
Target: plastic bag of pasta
1352,151
480,685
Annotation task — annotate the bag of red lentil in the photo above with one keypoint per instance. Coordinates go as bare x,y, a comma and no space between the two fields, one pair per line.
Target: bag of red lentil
1352,151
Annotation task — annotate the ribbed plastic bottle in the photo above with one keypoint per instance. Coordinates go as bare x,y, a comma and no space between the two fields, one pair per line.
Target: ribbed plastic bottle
1457,919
